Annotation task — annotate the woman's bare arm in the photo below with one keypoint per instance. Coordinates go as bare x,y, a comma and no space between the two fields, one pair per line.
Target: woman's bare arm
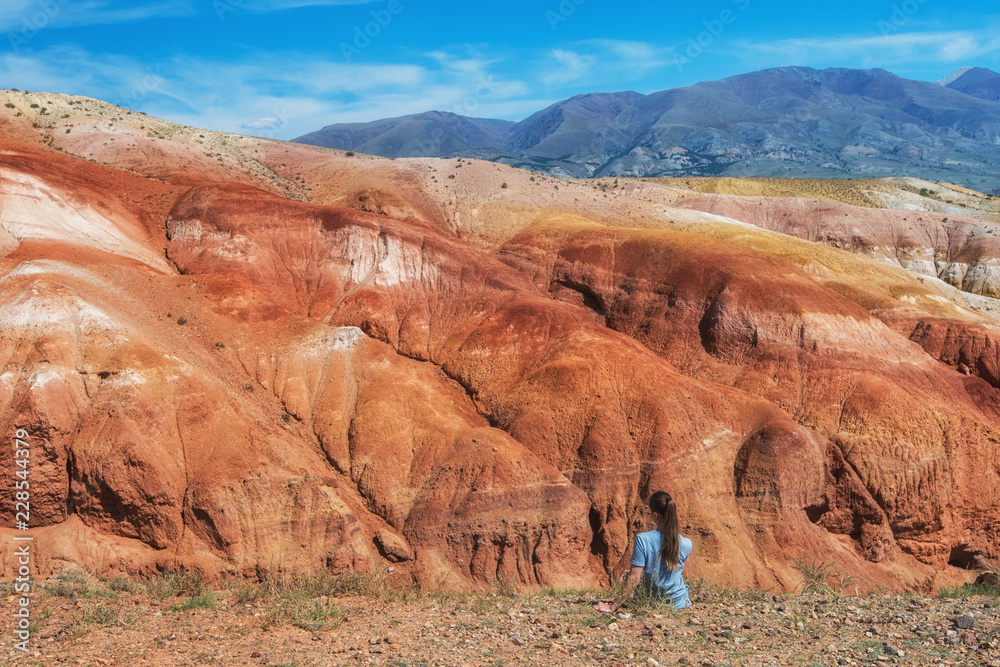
632,579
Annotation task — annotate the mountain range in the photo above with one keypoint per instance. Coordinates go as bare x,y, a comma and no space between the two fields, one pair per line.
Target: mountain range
778,122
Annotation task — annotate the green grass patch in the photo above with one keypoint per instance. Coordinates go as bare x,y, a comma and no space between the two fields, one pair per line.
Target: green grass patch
205,601
968,590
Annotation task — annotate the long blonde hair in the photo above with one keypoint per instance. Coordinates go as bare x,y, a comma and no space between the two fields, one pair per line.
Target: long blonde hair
670,536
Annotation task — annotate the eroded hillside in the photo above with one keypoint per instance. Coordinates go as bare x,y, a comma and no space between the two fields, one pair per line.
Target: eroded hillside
244,355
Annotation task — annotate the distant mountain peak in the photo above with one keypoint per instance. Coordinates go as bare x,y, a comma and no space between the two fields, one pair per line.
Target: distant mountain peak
978,82
815,123
957,74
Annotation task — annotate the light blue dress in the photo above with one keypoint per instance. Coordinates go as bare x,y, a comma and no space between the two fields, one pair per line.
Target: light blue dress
657,578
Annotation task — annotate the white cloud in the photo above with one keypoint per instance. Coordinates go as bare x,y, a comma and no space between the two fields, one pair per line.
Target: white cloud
25,18
600,62
280,95
568,67
880,50
270,123
642,56
280,5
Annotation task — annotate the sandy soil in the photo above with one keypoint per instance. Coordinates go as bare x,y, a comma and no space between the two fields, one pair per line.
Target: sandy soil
87,623
893,193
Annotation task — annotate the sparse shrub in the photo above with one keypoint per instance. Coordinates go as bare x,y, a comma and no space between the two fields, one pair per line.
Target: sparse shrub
286,417
247,592
182,320
120,585
349,154
815,575
313,615
34,105
173,584
72,584
102,616
9,105
451,175
504,186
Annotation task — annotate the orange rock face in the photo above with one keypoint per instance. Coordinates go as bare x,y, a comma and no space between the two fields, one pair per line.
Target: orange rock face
215,375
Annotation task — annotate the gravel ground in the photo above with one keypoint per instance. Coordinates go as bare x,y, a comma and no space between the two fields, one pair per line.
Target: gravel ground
97,625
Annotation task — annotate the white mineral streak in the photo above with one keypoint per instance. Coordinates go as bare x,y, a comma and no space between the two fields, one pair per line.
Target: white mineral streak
42,305
32,210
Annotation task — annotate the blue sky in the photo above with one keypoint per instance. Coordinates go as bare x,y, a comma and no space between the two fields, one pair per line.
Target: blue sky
282,68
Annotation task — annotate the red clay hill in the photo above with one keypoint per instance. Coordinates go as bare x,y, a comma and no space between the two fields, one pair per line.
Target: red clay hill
247,356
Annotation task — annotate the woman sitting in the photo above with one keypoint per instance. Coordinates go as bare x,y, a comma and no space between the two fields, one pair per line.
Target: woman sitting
658,557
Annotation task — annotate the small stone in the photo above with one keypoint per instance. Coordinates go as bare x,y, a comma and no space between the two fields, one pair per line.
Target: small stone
891,650
965,621
842,661
255,654
336,647
989,580
652,663
748,625
612,626
516,641
595,624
